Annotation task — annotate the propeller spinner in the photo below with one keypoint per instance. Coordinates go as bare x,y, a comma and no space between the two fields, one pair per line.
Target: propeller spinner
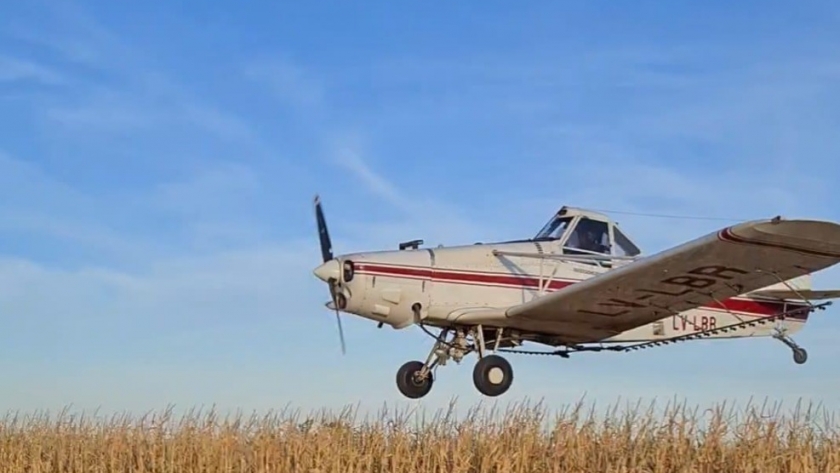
330,270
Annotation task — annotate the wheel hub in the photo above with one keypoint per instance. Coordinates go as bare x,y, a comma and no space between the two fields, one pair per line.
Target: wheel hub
495,375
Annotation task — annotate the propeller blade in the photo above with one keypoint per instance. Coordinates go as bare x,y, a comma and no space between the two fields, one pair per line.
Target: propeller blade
334,295
327,255
323,233
340,333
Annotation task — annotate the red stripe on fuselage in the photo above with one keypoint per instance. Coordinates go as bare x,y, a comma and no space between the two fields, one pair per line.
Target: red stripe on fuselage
749,306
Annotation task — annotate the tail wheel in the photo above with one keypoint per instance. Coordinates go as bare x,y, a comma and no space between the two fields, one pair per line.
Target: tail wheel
492,375
800,356
408,381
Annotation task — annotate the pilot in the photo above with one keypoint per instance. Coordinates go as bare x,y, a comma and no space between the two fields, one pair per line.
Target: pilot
590,236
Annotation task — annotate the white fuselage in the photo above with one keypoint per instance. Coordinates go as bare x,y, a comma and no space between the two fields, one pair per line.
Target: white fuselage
446,283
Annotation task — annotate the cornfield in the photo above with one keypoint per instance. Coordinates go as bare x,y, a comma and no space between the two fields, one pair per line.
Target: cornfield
525,437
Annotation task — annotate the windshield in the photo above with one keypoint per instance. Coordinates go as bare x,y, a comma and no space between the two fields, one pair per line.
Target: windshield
554,229
591,236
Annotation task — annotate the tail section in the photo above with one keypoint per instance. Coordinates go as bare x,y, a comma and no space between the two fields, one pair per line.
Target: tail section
797,297
797,289
800,283
776,311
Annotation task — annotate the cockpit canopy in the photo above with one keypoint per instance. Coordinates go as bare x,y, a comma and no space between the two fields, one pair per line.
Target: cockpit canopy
585,232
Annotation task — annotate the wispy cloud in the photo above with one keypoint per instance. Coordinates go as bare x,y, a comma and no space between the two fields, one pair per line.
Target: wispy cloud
34,203
215,187
419,211
179,311
347,156
289,83
122,90
14,69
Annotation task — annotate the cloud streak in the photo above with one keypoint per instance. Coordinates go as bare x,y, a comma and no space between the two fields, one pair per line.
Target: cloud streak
14,69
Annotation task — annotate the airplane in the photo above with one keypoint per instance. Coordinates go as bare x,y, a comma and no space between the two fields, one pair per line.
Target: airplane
581,284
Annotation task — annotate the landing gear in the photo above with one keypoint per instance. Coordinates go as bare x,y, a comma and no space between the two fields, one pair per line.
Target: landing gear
800,355
492,374
414,380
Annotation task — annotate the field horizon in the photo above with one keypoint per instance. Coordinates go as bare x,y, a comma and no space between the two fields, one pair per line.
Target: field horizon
650,436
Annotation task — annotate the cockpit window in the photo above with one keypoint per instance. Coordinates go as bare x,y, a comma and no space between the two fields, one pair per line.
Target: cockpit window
554,229
581,234
590,236
623,245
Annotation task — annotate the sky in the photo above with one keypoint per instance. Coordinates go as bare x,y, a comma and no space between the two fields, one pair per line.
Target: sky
158,162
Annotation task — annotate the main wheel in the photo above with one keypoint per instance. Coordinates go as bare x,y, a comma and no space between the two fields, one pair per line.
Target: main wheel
800,355
407,381
492,375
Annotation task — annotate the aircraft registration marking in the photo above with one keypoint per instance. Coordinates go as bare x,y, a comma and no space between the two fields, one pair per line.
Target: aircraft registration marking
701,277
693,324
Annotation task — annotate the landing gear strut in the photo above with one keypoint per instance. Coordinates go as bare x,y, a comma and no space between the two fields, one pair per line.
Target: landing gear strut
492,375
800,355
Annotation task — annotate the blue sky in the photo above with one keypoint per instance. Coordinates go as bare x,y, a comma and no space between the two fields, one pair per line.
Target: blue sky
158,161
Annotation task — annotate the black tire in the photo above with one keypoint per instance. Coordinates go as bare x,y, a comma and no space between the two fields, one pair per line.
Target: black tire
407,383
486,375
800,356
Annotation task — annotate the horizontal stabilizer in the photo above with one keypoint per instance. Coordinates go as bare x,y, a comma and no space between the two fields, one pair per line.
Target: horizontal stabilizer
801,294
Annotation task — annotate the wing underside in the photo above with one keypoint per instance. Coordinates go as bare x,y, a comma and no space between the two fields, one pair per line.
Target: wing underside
705,271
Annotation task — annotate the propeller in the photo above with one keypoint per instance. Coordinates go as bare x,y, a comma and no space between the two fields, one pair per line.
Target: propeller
327,255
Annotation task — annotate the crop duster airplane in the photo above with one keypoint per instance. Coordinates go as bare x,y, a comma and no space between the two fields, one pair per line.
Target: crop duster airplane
581,284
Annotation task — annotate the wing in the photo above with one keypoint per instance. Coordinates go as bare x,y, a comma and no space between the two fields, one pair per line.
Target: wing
708,270
801,294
